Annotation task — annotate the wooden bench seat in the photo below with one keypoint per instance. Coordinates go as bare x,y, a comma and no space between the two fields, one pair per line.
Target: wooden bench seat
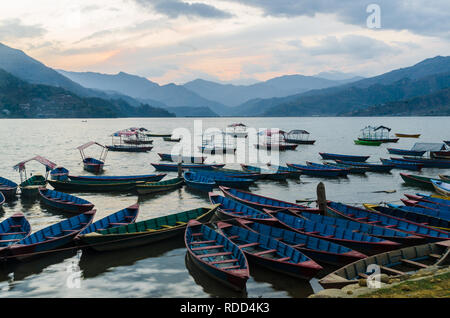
413,263
248,245
215,254
211,247
264,252
202,242
231,260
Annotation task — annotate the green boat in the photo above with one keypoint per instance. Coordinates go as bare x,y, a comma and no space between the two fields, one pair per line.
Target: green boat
417,181
367,142
153,187
30,187
146,232
94,186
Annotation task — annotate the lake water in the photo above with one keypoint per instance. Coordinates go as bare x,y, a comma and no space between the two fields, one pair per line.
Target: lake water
161,270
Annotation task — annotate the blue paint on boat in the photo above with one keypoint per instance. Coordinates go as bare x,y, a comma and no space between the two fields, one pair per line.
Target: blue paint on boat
332,156
14,229
8,188
199,182
65,202
224,180
123,217
316,171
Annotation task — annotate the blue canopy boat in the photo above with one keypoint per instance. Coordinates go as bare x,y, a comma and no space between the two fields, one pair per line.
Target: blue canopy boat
372,166
184,159
403,152
361,242
174,166
8,188
414,216
402,165
319,250
121,218
108,179
271,253
216,255
224,180
230,209
198,181
64,202
344,171
269,174
381,219
91,164
260,202
50,238
14,229
316,171
332,156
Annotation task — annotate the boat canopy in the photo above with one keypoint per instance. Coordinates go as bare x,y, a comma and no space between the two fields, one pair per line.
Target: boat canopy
47,163
82,147
126,133
298,132
273,131
237,125
423,146
382,128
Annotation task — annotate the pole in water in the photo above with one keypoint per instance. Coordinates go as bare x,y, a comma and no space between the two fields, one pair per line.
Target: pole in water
180,170
322,199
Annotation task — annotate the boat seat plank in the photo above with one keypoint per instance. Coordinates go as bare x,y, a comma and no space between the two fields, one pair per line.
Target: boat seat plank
118,224
283,259
70,231
435,255
413,263
231,267
7,241
390,226
214,254
233,237
315,232
248,245
231,260
363,275
391,270
13,233
14,226
299,245
202,242
211,247
197,234
328,236
264,252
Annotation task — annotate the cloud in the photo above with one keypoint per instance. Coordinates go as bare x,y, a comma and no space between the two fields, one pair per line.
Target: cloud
424,17
13,29
176,8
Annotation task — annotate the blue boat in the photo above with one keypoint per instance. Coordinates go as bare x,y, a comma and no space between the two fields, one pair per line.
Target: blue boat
2,199
50,238
174,166
184,159
292,173
441,187
198,181
316,171
271,253
426,162
64,202
430,198
344,171
319,250
361,242
8,188
403,152
372,166
59,173
351,169
14,229
224,180
237,173
333,156
370,229
121,218
427,204
216,255
91,164
381,219
416,217
108,179
402,165
268,174
230,209
422,210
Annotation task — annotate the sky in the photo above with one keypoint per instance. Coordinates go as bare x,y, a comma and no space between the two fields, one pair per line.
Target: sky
233,41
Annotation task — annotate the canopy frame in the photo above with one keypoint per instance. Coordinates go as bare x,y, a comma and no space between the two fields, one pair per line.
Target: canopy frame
49,166
103,154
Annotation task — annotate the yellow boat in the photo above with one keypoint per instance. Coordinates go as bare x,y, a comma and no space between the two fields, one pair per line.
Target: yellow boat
408,135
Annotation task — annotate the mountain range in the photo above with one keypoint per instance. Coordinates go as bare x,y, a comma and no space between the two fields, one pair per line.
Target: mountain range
325,94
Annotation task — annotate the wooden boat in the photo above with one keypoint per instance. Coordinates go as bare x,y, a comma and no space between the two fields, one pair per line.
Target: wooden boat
126,148
170,139
332,156
427,163
145,232
321,251
230,209
417,181
426,203
271,253
158,135
444,178
378,133
344,171
367,142
174,166
316,172
381,219
64,202
120,218
373,167
409,259
138,141
365,228
351,169
184,159
429,220
292,173
445,215
91,164
8,188
297,136
214,150
224,180
50,238
14,229
407,135
431,198
402,165
238,173
109,179
441,187
199,181
161,186
361,242
260,202
276,146
29,187
2,199
216,255
403,152
269,174
94,186
440,154
59,173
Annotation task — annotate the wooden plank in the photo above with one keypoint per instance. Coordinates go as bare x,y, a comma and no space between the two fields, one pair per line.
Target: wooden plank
202,242
391,270
248,245
231,260
264,252
363,275
214,254
207,247
416,264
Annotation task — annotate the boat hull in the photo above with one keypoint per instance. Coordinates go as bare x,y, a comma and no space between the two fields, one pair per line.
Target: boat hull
155,187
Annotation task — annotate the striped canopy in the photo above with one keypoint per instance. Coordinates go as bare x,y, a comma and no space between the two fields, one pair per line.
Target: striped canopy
47,163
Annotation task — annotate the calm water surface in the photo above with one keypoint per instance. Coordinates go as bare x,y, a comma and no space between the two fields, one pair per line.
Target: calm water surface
162,270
